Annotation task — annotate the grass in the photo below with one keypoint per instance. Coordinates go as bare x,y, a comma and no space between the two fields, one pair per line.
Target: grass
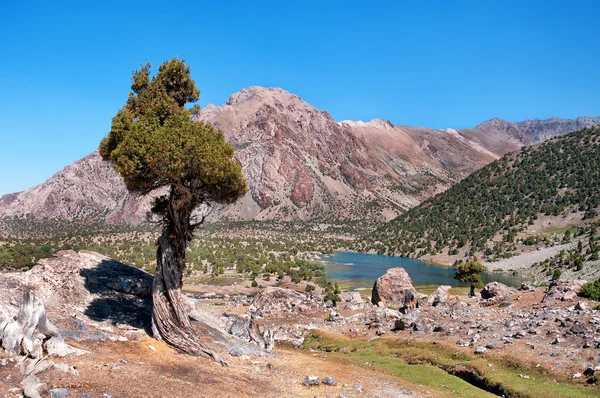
557,230
435,366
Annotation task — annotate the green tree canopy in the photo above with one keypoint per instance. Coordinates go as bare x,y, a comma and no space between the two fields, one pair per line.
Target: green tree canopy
470,272
154,142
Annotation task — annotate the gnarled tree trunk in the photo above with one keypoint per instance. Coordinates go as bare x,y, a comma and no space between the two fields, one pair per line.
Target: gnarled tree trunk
170,320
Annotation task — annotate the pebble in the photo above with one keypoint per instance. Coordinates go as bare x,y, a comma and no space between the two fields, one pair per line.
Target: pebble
480,349
236,352
311,381
330,381
58,392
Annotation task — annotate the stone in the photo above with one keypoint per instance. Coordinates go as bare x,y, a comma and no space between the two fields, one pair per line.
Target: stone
525,286
236,352
276,300
334,316
491,345
329,381
395,288
590,370
441,295
563,290
407,321
581,306
59,392
311,381
480,350
577,328
496,289
358,388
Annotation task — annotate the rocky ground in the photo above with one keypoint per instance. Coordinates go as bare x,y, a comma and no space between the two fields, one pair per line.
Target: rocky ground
282,342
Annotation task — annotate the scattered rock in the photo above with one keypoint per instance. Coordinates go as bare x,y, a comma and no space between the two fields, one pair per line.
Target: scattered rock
581,306
236,352
589,371
480,350
59,392
563,290
441,295
330,381
525,286
577,328
311,381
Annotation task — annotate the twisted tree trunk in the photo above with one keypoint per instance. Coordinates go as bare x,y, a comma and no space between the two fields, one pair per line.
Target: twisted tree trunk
170,319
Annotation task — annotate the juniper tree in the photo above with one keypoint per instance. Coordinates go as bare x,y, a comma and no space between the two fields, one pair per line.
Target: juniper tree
470,272
154,143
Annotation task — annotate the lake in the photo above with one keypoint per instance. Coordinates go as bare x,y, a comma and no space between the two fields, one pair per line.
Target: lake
359,271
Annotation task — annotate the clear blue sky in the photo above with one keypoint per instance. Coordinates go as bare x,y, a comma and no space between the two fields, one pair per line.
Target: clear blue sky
65,67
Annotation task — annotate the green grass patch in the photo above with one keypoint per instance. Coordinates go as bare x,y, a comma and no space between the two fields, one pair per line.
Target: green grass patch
438,367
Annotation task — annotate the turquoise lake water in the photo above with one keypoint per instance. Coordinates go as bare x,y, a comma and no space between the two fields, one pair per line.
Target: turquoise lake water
360,271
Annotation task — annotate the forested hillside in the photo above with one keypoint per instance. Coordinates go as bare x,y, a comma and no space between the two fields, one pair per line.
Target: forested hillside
486,211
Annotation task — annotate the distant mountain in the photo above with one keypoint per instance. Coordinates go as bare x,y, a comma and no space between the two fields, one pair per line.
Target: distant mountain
535,131
300,165
485,211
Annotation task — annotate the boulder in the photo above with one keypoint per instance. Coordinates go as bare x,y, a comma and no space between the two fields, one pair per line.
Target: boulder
394,288
563,290
496,289
273,300
495,293
441,295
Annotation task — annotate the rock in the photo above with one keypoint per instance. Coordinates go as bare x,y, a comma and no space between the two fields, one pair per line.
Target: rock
358,388
334,316
329,381
525,286
440,295
58,392
563,290
590,370
581,306
274,300
496,289
557,341
311,381
586,344
236,352
406,321
491,345
505,305
394,288
239,328
577,328
480,350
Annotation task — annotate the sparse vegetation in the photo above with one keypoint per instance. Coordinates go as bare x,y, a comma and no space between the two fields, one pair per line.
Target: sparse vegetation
558,177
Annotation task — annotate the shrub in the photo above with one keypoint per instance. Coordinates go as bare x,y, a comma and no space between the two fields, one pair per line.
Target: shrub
591,290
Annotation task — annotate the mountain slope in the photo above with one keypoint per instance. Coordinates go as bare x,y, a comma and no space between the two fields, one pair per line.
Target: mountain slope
491,206
300,165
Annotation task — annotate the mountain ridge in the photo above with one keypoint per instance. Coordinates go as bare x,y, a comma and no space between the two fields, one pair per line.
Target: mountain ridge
300,164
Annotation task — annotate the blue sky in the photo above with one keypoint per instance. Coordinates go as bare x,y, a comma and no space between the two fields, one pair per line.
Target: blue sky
65,66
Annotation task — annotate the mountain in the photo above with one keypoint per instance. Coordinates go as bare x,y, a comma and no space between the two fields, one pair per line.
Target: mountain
535,131
300,165
485,212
